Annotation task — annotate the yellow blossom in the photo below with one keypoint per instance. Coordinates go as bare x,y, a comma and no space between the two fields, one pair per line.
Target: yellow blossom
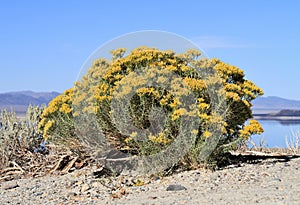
178,113
159,139
207,134
65,108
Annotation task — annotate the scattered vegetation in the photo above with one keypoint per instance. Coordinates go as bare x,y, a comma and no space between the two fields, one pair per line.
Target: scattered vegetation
293,143
19,136
260,145
24,150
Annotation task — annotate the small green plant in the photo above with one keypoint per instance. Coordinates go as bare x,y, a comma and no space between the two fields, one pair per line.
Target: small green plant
19,136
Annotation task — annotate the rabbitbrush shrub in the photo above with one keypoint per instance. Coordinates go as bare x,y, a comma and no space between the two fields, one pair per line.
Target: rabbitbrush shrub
108,80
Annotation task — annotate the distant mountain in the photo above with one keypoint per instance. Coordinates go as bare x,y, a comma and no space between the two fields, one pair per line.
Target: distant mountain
274,104
19,101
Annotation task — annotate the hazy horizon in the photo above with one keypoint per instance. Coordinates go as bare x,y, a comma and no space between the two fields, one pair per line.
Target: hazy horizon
36,91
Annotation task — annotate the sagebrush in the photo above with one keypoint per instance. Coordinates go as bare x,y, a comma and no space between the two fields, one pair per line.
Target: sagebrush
20,135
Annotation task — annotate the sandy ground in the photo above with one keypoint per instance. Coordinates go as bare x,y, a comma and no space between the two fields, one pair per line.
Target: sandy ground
266,182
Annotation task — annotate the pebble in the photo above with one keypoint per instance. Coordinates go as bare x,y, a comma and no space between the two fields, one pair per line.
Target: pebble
175,187
85,188
11,185
277,179
72,194
39,193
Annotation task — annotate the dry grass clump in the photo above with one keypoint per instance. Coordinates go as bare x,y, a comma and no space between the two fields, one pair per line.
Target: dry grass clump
24,151
292,146
20,135
293,142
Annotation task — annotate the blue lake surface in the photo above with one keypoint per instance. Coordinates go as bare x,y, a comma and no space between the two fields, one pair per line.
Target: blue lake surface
276,132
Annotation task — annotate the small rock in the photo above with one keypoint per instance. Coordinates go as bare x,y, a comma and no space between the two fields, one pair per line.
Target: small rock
277,179
175,187
152,197
96,184
12,185
155,178
79,183
85,187
115,195
102,172
39,193
265,174
143,188
72,194
123,191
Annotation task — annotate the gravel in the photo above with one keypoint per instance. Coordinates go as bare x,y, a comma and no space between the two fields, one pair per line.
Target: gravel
267,182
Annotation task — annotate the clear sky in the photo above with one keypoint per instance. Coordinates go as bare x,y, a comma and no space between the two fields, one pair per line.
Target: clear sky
43,44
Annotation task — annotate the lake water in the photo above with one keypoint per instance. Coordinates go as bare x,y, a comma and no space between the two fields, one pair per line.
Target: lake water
276,132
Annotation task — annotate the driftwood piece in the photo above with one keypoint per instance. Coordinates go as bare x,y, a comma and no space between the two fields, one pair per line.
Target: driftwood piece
71,163
61,163
6,178
60,159
10,172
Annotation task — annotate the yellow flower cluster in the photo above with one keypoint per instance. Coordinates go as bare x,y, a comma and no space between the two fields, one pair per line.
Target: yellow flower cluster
207,134
59,108
61,103
131,137
65,108
229,73
142,57
47,129
233,96
202,105
178,113
195,84
148,91
175,103
251,129
159,139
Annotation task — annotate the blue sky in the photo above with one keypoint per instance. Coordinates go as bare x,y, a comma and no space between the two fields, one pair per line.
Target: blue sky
43,44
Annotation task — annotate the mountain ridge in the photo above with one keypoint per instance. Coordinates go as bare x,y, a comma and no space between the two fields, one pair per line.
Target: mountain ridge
20,100
274,104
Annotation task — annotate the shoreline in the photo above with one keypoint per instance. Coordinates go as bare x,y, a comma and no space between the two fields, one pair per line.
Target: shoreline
277,118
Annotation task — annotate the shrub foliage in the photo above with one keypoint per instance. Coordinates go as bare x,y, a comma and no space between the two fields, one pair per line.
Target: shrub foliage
20,136
96,90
